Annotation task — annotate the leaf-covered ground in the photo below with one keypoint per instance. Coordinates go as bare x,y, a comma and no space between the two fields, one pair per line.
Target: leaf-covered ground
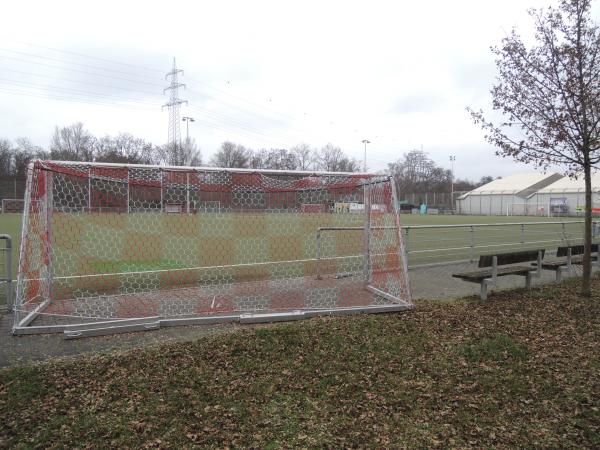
521,370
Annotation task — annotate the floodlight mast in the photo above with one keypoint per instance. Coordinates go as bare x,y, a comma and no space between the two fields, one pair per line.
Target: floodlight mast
365,141
187,121
452,159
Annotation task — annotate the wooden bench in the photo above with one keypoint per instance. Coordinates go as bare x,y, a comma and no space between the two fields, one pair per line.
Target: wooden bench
565,258
502,264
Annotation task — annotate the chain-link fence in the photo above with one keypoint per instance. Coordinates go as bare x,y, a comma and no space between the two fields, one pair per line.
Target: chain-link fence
437,202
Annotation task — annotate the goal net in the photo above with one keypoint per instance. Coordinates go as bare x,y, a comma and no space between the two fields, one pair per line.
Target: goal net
109,248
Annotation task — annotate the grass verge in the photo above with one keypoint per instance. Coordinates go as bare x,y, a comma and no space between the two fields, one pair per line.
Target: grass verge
521,370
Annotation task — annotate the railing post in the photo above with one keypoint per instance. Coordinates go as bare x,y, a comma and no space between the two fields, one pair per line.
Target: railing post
472,236
9,294
318,263
8,266
406,242
564,234
522,233
367,237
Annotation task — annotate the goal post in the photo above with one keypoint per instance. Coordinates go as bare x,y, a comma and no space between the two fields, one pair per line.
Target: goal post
112,247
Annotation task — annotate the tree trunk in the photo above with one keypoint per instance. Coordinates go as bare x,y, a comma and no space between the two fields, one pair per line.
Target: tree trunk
586,289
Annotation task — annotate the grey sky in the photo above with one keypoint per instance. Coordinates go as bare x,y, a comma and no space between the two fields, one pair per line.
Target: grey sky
263,74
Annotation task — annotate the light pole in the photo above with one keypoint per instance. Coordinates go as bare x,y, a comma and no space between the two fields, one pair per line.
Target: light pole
365,141
187,121
452,159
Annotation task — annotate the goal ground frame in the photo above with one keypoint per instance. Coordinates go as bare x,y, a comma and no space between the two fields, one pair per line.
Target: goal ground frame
43,207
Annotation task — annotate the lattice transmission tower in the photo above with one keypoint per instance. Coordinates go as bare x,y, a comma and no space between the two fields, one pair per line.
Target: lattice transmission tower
174,104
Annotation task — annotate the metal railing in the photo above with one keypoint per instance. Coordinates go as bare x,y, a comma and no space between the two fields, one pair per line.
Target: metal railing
443,244
7,276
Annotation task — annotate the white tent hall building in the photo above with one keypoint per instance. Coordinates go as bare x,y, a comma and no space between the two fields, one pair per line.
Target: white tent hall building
566,196
511,195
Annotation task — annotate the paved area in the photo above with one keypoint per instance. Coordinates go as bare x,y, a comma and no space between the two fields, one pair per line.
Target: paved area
426,283
18,350
436,282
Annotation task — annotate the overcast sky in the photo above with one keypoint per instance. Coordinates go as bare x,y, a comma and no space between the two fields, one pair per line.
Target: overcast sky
263,74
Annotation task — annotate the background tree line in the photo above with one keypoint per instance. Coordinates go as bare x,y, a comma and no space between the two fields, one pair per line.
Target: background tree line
415,171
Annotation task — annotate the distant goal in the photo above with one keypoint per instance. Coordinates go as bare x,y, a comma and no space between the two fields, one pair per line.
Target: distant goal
13,205
110,248
526,209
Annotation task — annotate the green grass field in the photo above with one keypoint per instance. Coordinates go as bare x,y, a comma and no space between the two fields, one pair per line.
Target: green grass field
110,243
420,240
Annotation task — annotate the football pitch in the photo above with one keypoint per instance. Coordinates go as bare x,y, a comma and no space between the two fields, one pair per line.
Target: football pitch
460,238
426,239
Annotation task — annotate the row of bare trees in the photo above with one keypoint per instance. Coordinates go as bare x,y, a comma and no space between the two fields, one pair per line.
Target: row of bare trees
300,157
414,171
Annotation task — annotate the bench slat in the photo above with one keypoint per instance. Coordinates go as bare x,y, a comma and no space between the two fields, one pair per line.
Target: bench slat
575,250
478,275
510,258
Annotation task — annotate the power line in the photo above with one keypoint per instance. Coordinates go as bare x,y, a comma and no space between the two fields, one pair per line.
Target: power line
97,74
267,108
88,56
71,90
50,96
57,92
65,62
214,116
77,81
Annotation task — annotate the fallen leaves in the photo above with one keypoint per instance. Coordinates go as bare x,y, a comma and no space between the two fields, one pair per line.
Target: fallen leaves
520,370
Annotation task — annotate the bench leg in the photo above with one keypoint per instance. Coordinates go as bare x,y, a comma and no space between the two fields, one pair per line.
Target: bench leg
484,289
559,275
528,278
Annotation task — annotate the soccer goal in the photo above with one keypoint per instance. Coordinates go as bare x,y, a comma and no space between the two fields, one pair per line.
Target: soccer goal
13,205
110,248
519,209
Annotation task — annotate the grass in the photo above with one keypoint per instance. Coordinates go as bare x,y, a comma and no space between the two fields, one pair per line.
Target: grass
520,370
133,266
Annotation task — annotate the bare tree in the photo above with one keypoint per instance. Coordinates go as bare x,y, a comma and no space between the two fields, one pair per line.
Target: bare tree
303,154
72,143
124,148
417,172
23,152
332,159
280,159
548,98
232,155
258,159
6,156
187,154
